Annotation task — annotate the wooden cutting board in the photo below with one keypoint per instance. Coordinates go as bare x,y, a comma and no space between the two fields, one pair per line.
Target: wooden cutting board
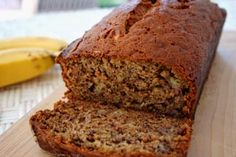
215,124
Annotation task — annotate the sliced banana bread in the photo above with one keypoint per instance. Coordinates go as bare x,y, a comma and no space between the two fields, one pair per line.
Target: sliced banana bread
148,55
91,129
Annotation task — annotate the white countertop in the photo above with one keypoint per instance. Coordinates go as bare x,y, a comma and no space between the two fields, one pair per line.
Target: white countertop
65,25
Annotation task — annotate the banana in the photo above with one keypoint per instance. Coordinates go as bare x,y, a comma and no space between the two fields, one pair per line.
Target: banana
33,42
17,65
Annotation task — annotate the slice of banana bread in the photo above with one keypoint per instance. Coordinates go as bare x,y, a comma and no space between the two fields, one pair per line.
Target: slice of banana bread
148,55
91,129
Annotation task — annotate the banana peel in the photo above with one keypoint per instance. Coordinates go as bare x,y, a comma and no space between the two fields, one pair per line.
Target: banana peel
17,65
22,59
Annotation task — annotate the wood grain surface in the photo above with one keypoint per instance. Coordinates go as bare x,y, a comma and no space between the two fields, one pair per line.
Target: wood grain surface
215,123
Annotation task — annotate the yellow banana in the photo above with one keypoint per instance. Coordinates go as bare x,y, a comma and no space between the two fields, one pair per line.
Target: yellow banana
17,65
33,42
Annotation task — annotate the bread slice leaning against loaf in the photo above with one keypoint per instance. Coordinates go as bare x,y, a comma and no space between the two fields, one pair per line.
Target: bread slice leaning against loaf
91,129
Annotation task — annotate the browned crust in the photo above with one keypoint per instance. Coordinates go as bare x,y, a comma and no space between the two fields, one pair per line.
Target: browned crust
182,38
60,147
200,89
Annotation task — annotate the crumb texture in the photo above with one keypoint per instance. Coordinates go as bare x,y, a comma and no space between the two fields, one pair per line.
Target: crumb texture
139,85
107,129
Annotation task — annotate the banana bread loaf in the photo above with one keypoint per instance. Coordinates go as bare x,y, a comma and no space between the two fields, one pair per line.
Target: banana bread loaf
150,55
90,129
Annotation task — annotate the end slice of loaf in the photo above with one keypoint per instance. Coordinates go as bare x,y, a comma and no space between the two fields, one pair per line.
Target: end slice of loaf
90,129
